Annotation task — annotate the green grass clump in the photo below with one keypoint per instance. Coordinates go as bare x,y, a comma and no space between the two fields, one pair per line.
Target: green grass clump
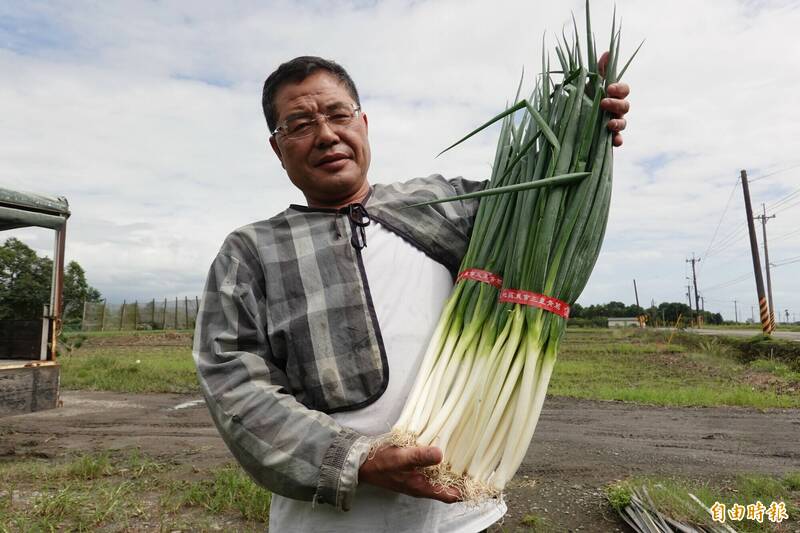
71,506
229,489
777,368
536,524
75,468
618,496
89,467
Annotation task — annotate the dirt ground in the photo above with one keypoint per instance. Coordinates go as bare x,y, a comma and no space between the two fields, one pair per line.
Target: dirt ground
579,446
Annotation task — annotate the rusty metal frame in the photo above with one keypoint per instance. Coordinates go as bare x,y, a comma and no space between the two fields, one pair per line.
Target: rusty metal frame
18,210
57,289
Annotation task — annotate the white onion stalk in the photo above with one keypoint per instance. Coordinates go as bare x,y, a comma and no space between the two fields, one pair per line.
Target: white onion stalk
483,380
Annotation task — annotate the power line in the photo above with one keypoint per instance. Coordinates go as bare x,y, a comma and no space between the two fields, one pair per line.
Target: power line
724,212
787,262
728,283
773,173
784,199
727,241
712,300
785,207
793,232
730,236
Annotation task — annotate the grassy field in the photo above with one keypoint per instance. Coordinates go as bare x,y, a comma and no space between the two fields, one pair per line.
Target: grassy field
127,492
129,333
130,369
600,364
645,367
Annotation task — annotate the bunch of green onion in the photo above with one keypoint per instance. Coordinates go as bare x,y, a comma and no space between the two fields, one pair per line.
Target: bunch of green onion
539,226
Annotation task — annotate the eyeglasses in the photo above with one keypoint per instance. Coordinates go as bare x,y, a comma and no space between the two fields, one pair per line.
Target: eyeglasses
300,126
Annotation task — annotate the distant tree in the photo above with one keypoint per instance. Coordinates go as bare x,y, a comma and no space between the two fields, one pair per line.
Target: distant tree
711,318
25,280
666,312
670,311
76,291
611,309
615,309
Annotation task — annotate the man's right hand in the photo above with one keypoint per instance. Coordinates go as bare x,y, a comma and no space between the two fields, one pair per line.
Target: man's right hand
398,469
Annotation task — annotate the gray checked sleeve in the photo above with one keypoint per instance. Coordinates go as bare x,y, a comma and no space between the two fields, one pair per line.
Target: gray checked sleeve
286,447
469,208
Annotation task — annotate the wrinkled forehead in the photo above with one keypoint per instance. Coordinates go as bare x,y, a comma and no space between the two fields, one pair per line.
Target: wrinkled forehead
318,92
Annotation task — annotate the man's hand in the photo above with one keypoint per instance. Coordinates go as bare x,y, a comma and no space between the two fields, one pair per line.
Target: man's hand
397,469
615,102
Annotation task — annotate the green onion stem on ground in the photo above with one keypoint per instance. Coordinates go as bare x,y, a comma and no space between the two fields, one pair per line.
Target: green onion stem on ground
540,224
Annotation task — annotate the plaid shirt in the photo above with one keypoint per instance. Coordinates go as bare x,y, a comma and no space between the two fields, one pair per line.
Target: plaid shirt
287,333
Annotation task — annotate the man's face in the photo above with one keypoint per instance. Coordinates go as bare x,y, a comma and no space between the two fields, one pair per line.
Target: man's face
330,165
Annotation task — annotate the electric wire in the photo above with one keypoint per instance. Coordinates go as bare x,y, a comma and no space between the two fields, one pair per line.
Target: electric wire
726,242
793,232
784,199
759,178
785,207
729,283
786,262
724,212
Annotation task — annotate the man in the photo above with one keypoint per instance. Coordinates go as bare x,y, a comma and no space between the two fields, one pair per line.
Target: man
308,340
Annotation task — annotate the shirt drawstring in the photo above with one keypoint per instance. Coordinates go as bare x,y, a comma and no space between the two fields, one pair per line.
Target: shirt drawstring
359,219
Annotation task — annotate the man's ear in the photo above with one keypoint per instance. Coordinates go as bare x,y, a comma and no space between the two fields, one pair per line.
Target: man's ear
366,122
275,148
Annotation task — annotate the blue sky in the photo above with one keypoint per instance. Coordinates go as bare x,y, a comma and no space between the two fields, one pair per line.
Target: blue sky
146,116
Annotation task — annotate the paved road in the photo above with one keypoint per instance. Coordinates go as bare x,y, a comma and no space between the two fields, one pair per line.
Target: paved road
789,335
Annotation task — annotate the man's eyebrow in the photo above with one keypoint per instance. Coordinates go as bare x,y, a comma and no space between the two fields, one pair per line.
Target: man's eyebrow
329,107
298,114
337,105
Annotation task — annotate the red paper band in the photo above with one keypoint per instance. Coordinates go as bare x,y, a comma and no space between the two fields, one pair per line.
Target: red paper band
554,305
483,276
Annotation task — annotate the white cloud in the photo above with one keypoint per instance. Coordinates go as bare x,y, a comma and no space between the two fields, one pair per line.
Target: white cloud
147,117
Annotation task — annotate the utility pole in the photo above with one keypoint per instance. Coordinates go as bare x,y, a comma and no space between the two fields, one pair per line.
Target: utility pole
735,312
752,315
787,316
694,279
636,292
766,323
763,217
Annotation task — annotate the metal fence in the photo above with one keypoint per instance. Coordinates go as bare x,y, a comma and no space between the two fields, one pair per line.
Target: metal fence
167,313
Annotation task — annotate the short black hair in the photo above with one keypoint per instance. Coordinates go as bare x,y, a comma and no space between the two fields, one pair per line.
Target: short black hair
295,71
